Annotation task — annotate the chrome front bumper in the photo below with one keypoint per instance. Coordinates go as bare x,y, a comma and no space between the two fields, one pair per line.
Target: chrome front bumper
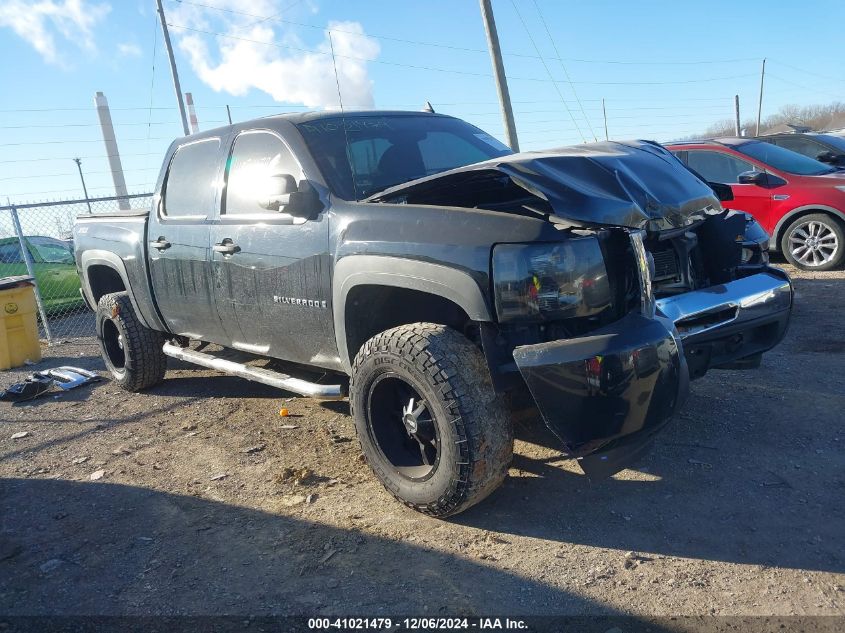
723,324
741,301
606,394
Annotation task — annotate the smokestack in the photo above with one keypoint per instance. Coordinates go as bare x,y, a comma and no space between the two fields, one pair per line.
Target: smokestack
111,150
195,126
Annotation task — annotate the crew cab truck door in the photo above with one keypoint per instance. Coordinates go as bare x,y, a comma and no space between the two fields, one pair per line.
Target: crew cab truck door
178,241
725,168
272,271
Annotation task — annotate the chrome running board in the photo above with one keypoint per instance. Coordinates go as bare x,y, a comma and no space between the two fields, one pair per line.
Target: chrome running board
256,374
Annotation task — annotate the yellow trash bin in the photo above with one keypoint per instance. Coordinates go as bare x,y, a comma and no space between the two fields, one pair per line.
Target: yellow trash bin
19,332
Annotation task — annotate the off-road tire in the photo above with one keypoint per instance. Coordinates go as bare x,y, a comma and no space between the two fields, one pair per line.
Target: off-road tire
833,226
144,363
473,423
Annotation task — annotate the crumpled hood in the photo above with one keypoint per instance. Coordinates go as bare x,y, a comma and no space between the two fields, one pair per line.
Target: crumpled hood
636,184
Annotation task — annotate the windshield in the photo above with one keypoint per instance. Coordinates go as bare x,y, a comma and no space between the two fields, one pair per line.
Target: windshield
52,251
784,159
384,151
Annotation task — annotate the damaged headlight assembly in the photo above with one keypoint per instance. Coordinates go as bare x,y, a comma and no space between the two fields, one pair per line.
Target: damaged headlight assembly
548,282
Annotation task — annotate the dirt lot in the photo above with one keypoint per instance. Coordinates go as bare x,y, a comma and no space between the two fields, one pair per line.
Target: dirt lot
202,508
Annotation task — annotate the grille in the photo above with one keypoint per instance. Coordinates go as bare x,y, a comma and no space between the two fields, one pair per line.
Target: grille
665,265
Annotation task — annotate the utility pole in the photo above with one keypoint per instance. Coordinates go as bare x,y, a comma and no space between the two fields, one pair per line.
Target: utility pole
192,113
604,112
499,73
78,162
112,152
760,104
737,126
229,114
175,74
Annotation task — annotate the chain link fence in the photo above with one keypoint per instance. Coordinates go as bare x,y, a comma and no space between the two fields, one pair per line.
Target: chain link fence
36,239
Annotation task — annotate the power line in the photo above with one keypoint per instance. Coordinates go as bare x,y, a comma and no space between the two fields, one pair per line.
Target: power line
808,72
452,70
565,72
89,173
548,70
61,125
35,193
453,46
67,142
797,85
301,107
272,17
63,158
77,109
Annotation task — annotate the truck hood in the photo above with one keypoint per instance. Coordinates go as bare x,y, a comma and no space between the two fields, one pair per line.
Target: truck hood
636,184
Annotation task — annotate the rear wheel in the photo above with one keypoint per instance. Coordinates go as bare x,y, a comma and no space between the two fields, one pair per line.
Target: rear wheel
814,242
430,424
132,353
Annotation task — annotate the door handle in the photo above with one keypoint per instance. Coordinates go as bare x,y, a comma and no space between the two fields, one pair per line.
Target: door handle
226,247
160,244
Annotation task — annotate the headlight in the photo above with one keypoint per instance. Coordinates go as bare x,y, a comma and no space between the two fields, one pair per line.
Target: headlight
840,187
548,282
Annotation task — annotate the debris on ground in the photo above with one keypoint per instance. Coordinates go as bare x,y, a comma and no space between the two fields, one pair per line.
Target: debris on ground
97,474
20,435
50,565
327,556
297,476
633,559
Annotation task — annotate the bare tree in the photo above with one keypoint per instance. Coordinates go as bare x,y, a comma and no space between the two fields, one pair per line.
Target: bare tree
817,117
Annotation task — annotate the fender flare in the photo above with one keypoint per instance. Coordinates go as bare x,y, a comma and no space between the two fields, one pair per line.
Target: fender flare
774,242
356,270
108,259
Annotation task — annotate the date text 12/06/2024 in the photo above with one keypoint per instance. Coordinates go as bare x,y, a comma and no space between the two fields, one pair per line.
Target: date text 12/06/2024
416,624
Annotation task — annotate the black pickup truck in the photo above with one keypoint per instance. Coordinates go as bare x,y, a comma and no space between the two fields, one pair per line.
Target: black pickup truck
415,263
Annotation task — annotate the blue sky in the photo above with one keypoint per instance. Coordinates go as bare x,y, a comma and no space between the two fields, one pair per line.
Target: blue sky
666,69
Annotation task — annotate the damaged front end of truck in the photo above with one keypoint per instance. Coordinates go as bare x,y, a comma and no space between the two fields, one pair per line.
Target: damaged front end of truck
651,284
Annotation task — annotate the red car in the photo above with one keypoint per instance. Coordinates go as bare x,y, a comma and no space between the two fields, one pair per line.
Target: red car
798,200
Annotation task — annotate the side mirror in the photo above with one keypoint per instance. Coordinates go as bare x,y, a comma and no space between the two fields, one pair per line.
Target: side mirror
277,192
831,158
759,178
722,191
304,203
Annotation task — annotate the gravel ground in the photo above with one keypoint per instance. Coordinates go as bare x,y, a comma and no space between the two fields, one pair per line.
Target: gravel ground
198,498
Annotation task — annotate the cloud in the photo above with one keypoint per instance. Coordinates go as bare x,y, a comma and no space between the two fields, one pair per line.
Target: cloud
39,22
129,50
264,55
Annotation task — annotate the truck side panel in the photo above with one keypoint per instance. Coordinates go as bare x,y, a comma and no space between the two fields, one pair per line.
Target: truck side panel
110,256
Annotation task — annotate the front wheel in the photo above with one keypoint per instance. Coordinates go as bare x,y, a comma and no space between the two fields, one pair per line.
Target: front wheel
814,242
132,352
430,424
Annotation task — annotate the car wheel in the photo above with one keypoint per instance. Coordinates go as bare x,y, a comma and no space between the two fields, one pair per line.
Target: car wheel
814,242
430,424
132,353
